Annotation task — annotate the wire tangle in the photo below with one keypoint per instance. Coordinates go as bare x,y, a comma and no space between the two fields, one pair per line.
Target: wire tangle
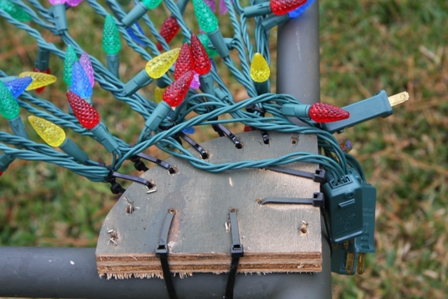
214,106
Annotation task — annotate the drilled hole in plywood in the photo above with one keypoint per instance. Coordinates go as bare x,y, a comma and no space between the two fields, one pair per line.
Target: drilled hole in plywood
294,140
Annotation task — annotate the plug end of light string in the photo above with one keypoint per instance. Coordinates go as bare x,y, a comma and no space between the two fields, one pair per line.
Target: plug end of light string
9,109
55,136
380,105
172,97
89,118
139,11
111,44
59,17
154,69
319,112
277,7
39,80
260,72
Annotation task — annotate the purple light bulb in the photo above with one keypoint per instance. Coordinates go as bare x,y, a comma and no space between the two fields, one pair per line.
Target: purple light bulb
73,2
55,2
87,66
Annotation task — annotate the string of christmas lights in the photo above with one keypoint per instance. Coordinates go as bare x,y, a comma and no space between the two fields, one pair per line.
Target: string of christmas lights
188,92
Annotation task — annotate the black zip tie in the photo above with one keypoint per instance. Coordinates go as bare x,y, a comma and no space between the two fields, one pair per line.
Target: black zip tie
159,162
138,164
194,144
223,131
162,253
116,188
236,251
256,108
317,200
317,176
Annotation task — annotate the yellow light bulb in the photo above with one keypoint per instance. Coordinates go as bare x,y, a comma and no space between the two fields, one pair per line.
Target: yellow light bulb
52,134
158,94
158,66
259,69
39,79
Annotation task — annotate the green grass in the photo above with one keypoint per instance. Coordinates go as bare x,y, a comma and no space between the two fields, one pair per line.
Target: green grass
366,46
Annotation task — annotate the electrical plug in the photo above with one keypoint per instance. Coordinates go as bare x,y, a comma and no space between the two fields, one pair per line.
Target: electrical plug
380,105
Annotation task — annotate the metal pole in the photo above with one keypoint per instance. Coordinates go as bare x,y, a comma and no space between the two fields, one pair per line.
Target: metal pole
298,56
298,75
71,273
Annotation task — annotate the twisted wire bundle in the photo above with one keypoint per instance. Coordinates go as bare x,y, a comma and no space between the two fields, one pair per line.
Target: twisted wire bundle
207,108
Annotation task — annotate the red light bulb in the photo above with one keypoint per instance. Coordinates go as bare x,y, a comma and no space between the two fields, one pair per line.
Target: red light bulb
281,7
87,116
47,71
184,62
323,113
201,62
176,92
1,173
168,31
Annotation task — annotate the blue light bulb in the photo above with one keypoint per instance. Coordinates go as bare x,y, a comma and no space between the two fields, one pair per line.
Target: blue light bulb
80,81
297,12
18,86
134,36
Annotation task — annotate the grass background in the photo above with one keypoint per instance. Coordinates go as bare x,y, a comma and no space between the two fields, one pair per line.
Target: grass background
366,46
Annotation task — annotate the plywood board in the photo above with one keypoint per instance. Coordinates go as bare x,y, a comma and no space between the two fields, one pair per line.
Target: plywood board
199,238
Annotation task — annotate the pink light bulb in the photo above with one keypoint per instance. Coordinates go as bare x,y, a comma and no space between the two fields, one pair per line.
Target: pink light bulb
55,2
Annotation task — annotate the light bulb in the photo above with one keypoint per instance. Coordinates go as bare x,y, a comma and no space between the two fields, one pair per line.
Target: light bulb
196,82
159,65
80,81
55,2
111,39
73,2
87,116
158,94
201,62
211,4
222,7
9,108
205,41
205,16
322,113
47,71
39,79
184,62
168,31
18,86
15,11
176,92
87,66
151,4
281,7
52,134
300,10
69,60
259,69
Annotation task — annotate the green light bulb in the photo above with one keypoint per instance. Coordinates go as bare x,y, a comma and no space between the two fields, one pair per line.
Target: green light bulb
70,58
111,38
9,108
15,11
205,16
151,4
205,41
